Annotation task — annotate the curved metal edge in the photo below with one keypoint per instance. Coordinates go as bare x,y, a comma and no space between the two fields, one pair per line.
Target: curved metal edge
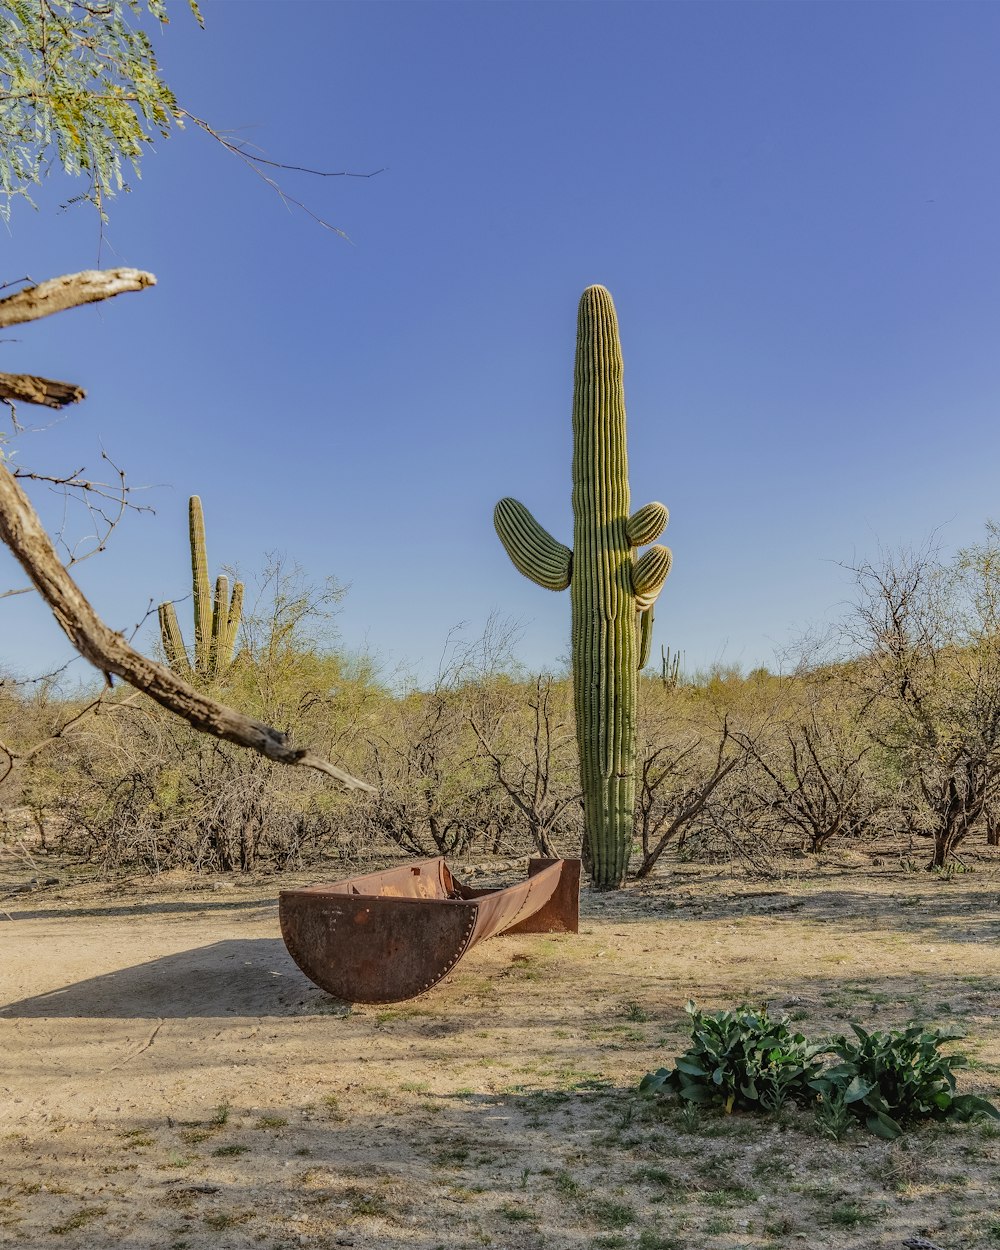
561,914
551,905
374,950
424,878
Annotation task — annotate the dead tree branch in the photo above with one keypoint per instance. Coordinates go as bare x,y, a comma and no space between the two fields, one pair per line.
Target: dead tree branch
28,389
70,291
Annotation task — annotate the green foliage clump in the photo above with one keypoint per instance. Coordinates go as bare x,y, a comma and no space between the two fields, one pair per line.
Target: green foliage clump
80,88
746,1060
891,1079
740,1060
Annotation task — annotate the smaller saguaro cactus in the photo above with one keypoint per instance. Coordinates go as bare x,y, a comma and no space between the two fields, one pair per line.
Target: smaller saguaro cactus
671,668
216,620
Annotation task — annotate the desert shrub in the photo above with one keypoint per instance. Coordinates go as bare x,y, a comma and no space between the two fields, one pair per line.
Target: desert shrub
747,1060
929,633
148,792
434,796
525,736
813,768
156,796
889,1080
742,1059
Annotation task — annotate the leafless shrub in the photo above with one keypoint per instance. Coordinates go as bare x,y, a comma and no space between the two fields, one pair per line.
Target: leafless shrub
525,734
812,768
929,631
434,796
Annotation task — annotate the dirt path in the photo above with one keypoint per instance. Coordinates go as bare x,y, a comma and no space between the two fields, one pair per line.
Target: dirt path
169,1079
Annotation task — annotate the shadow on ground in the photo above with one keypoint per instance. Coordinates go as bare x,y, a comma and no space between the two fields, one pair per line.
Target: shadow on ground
160,907
239,977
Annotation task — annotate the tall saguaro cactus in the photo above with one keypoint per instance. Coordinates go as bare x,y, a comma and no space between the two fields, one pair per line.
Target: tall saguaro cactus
612,588
216,622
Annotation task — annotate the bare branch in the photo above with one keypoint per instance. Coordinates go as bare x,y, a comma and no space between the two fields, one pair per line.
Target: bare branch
254,162
241,149
70,291
87,492
24,534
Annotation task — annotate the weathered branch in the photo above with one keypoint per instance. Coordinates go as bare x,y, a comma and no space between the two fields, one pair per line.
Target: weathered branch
28,389
70,291
24,534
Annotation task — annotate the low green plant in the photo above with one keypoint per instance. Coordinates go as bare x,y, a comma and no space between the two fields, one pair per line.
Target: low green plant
833,1117
740,1059
892,1079
886,1080
611,1213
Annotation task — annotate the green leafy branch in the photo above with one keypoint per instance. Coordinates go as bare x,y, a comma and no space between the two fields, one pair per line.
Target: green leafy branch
81,90
80,86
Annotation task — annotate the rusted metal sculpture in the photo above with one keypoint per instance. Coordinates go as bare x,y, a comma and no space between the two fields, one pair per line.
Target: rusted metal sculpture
391,935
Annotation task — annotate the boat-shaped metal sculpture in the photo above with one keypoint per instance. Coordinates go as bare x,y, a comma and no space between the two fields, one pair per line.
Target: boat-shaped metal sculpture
386,936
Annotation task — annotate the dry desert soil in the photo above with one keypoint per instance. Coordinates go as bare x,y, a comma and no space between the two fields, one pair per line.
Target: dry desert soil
169,1079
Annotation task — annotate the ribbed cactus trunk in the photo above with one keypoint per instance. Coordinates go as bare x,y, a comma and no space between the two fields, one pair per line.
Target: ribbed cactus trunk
611,590
201,588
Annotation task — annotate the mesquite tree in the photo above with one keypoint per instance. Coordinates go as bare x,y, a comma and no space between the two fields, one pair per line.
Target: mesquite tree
931,631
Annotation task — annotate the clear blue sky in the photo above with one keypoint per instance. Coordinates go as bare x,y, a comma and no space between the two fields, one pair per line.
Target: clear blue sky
795,206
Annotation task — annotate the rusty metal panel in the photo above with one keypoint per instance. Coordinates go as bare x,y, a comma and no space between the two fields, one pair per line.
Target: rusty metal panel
561,914
500,909
429,878
390,935
375,950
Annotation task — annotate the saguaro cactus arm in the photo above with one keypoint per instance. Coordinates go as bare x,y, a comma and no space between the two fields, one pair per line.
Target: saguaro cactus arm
648,575
646,524
173,640
217,660
644,625
534,551
233,623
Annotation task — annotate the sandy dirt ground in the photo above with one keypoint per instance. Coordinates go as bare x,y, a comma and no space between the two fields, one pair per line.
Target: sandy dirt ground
168,1078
